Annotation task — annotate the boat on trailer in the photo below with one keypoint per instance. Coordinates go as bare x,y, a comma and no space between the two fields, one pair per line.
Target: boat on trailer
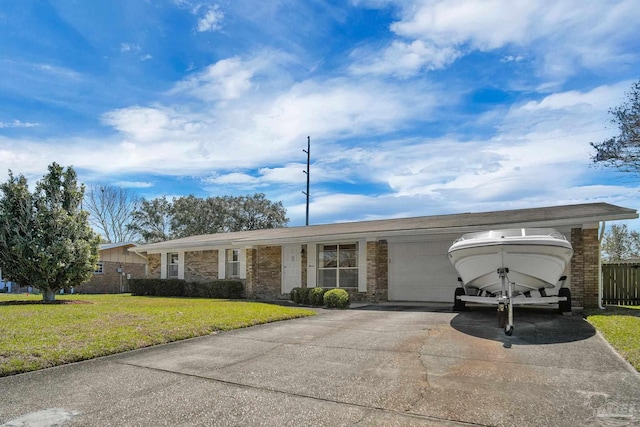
504,267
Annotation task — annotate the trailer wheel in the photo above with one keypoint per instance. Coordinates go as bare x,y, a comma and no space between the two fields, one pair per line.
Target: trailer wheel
564,306
457,304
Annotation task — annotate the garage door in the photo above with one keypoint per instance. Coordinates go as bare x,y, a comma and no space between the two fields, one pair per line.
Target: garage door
421,271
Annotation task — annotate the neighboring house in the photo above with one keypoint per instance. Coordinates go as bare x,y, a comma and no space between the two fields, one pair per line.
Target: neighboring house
387,260
114,269
5,286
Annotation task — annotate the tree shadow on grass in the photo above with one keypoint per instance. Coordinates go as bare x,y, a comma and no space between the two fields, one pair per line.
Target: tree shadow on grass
42,302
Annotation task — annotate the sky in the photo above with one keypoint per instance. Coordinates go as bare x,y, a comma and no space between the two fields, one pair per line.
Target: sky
413,107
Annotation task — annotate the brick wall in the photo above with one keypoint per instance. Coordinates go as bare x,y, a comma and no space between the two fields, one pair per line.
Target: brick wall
584,267
110,281
201,266
250,282
303,266
377,271
153,266
268,272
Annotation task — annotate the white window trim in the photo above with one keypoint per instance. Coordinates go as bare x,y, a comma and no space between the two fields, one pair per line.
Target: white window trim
222,263
164,265
362,269
101,264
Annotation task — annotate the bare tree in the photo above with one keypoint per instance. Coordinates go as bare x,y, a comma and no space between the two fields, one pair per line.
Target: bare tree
111,212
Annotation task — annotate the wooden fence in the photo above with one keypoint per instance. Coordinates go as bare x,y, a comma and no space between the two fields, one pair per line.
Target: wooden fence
620,284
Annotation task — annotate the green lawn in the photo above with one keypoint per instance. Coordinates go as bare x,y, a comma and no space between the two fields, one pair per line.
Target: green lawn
621,327
36,336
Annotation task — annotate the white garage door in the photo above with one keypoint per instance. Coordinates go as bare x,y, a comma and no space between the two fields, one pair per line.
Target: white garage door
421,271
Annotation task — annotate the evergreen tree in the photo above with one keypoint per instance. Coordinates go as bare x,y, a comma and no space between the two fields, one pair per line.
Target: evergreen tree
45,238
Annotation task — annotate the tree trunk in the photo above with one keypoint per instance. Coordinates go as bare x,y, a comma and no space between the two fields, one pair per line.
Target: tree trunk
48,295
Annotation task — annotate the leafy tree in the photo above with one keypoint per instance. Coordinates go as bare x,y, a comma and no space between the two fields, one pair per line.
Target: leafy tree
152,220
256,212
623,151
111,212
159,219
619,243
194,216
45,238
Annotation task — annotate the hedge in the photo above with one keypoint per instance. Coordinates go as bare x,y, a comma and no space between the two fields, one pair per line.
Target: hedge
226,289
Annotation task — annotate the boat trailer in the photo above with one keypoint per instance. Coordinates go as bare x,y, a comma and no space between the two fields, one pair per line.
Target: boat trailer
505,300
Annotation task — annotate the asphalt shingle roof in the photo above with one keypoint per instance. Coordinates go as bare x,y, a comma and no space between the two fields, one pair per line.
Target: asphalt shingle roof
555,216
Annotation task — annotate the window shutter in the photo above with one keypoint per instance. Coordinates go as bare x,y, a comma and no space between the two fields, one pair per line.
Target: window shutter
181,265
221,263
242,257
163,265
312,259
362,266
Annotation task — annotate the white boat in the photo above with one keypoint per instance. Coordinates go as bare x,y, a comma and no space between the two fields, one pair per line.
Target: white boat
535,258
503,267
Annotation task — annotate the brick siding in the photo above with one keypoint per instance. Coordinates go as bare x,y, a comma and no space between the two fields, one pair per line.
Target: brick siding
268,272
110,281
584,267
154,266
201,266
250,282
377,271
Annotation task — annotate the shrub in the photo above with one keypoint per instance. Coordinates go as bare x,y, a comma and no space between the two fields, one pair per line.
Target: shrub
316,296
293,295
300,295
336,298
226,289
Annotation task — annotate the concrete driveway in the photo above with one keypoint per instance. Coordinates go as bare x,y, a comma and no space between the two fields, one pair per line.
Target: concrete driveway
374,366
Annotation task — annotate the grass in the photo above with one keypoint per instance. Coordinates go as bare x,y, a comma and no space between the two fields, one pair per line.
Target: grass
35,336
620,326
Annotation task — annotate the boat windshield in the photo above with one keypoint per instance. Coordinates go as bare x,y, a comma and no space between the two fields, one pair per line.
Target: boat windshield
515,232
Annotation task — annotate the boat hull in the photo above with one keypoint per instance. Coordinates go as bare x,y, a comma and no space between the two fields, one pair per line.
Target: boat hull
535,259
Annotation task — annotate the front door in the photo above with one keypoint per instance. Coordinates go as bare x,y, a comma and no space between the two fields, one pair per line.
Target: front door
291,269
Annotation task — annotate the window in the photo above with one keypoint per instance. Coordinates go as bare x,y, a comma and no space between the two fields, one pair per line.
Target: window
172,266
98,269
233,263
338,266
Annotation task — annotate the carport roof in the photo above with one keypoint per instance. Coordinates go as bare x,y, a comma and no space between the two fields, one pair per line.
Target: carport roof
555,216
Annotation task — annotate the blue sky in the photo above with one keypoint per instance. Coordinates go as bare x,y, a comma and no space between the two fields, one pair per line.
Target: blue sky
413,107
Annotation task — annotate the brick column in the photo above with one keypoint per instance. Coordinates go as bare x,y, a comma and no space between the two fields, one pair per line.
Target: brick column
377,268
577,268
584,267
250,282
591,247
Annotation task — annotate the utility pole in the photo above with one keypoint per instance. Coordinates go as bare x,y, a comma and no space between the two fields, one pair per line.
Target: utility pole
308,151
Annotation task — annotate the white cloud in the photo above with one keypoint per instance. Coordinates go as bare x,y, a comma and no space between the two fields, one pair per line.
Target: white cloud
134,184
18,124
560,36
403,59
211,21
128,47
226,79
149,124
341,108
